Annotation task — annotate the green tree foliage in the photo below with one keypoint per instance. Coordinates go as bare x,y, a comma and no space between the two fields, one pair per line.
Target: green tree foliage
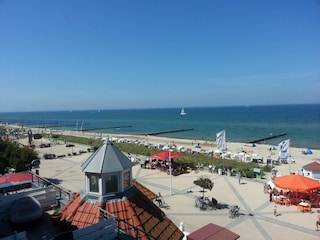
204,183
13,156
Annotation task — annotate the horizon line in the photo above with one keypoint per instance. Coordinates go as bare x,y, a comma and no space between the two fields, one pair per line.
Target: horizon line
124,109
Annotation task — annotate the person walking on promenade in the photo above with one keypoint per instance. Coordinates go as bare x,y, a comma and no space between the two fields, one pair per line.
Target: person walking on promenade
318,220
239,177
270,193
159,199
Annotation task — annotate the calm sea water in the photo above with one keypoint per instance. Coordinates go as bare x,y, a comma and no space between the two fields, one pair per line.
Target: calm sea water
242,124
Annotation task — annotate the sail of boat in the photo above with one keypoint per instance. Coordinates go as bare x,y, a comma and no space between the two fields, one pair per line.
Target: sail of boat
183,112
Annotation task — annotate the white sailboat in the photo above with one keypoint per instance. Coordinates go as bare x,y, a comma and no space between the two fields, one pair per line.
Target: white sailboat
183,112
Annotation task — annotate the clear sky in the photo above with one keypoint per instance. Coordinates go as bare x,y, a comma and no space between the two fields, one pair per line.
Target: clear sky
123,54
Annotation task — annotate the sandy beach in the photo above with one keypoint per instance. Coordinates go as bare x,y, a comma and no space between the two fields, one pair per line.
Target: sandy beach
296,161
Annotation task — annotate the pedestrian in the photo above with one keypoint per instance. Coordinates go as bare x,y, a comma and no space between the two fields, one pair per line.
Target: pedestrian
318,220
181,227
270,193
159,199
275,210
239,177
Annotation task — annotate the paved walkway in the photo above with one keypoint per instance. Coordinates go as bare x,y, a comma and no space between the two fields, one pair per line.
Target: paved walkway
256,220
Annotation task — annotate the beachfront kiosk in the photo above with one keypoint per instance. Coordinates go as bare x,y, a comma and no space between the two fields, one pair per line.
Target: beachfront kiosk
107,172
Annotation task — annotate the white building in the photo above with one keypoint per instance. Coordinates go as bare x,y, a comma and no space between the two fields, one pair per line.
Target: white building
311,170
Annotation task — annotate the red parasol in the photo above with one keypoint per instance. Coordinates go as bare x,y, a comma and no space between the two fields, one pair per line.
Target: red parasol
163,156
297,183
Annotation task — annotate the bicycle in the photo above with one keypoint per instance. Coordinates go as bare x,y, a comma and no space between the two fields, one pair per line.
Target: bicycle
200,203
234,211
203,204
159,201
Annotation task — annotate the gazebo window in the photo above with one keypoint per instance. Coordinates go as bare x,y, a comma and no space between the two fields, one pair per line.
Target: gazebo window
126,179
94,183
111,183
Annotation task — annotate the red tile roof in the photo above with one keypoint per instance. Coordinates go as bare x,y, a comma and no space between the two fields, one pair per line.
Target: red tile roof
134,211
315,166
212,232
145,191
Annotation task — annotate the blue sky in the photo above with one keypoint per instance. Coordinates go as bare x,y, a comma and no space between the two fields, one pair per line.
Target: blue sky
77,55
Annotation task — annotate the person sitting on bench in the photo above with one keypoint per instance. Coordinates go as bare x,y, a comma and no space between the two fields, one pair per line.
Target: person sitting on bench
214,201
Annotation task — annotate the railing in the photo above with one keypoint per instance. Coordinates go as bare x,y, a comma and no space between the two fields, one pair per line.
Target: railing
35,179
45,182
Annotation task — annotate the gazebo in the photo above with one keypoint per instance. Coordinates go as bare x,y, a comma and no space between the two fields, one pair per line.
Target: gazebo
107,172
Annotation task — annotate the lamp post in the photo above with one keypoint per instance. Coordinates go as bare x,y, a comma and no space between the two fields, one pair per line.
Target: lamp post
289,163
170,170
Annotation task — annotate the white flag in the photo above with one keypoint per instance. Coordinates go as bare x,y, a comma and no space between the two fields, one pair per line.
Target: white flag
284,149
221,140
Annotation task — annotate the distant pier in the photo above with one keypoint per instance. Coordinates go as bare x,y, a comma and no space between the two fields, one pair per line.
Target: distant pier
269,137
99,128
56,126
170,131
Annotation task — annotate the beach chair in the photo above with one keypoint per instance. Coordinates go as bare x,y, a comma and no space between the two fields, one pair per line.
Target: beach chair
304,207
278,200
287,202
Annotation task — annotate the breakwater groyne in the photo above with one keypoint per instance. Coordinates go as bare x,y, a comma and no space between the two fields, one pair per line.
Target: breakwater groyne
169,131
99,128
269,137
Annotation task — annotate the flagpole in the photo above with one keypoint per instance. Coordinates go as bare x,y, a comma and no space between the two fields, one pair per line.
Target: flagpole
289,164
289,156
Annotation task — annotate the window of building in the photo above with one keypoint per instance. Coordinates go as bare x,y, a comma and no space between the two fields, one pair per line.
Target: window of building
94,183
111,183
126,180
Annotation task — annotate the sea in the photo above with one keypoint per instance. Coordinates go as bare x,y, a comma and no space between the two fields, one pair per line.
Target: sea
299,123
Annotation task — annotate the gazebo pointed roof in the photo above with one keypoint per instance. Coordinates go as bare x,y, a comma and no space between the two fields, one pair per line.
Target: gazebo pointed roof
108,158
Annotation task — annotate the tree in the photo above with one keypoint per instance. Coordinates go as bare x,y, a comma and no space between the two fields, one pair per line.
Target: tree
14,156
204,183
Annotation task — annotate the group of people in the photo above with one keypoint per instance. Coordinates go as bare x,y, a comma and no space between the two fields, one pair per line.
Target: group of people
272,195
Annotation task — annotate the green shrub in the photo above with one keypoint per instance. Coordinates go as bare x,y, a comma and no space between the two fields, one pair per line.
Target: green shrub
267,168
247,172
37,136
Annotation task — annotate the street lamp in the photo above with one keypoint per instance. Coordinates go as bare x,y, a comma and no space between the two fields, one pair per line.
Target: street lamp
170,169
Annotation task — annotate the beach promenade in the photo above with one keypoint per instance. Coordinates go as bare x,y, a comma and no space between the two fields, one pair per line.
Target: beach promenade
256,220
